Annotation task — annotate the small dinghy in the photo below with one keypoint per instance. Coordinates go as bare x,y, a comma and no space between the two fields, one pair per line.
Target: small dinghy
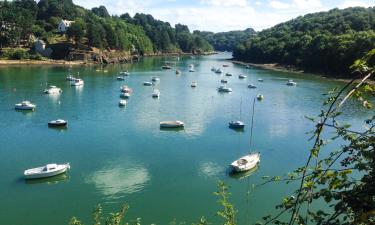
122,102
193,84
120,78
228,74
251,86
156,93
224,81
260,80
126,89
25,105
125,95
171,124
260,97
124,73
246,162
48,170
155,79
166,67
236,124
77,82
223,88
52,90
57,123
291,83
241,76
147,83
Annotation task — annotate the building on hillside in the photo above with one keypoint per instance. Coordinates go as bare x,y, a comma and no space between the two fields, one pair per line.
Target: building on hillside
40,47
63,25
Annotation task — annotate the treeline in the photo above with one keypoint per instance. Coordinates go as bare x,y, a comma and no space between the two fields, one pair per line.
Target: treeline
23,19
226,41
325,42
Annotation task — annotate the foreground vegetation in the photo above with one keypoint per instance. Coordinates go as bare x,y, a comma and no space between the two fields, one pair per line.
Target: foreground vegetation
343,180
325,42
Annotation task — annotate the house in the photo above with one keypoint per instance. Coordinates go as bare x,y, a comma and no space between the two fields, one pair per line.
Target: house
40,46
63,25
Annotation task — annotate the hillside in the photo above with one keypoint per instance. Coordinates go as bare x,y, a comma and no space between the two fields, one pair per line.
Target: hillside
325,42
226,41
25,21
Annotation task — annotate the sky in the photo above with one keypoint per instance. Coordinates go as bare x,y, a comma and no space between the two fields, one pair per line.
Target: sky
223,15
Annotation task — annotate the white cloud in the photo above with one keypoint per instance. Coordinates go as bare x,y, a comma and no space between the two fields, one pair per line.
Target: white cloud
307,4
225,3
353,3
279,5
258,3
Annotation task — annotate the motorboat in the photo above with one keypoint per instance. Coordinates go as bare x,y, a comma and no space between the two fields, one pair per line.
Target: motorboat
147,83
166,67
48,170
228,74
155,79
224,81
246,162
122,102
194,84
52,90
260,97
236,124
25,105
260,80
156,93
171,124
77,82
120,78
124,73
241,76
125,95
223,88
58,123
251,86
291,83
126,89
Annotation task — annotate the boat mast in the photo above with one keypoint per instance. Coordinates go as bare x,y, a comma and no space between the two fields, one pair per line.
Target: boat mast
252,123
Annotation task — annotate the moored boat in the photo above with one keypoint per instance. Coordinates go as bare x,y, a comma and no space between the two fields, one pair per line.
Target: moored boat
246,162
224,81
52,90
171,124
228,74
260,80
155,79
251,86
291,83
156,93
48,170
70,78
77,82
58,123
260,97
147,83
236,124
126,89
125,95
124,73
25,105
178,71
193,84
122,102
219,71
223,88
120,78
166,67
241,76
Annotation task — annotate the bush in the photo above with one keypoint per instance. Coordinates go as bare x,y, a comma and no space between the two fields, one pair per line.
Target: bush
19,54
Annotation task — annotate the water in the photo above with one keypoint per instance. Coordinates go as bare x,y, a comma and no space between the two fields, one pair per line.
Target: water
120,155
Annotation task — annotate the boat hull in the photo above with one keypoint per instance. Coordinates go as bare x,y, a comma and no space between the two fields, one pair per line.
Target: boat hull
171,124
57,124
45,175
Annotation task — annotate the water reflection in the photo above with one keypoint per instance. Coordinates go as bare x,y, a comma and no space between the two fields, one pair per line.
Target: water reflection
241,175
175,129
50,181
210,169
120,179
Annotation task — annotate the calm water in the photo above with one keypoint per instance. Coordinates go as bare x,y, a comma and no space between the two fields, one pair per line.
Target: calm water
120,155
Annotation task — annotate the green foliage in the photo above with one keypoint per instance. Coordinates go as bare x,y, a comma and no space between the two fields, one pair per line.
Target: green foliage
326,42
101,11
76,31
228,213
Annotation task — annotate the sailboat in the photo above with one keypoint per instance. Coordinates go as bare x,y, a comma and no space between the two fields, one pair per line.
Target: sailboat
249,161
237,124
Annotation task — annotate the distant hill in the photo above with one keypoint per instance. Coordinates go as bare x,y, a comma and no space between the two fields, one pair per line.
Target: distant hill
325,42
226,41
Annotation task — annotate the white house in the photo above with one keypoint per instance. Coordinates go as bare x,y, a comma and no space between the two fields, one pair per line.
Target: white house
63,25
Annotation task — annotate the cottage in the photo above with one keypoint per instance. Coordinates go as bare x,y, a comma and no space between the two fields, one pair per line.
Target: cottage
40,46
63,25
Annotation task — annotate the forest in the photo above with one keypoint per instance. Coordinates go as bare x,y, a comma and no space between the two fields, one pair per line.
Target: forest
325,42
24,21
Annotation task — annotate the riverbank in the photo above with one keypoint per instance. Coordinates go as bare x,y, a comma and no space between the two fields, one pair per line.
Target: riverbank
6,62
291,69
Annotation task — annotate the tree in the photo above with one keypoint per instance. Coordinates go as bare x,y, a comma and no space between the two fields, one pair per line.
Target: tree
101,11
76,32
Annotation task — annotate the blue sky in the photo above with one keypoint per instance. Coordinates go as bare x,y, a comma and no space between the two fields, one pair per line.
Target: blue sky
223,15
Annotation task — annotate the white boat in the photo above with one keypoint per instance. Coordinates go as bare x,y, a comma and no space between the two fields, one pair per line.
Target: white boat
124,73
122,102
57,123
125,95
191,70
52,90
193,84
48,170
171,124
251,86
126,89
260,80
228,74
77,82
156,93
70,78
223,88
24,105
260,97
120,78
224,81
241,76
155,79
147,83
246,162
236,124
166,67
291,83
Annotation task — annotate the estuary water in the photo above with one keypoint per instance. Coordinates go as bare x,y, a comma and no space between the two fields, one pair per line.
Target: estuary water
120,155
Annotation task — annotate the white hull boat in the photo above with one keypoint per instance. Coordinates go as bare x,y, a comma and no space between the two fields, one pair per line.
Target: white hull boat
224,81
224,89
48,170
147,83
260,80
120,78
171,124
122,102
156,94
52,90
260,97
228,74
124,73
125,95
251,86
57,123
70,78
77,82
126,89
246,162
155,79
25,105
291,83
193,84
241,76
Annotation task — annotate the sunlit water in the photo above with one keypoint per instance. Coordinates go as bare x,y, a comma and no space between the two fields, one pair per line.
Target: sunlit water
120,155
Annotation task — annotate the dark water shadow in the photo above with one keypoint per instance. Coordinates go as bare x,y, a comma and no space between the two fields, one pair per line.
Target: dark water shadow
175,129
241,175
49,180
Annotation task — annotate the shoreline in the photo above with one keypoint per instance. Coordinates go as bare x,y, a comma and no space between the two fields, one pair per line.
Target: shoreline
291,69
